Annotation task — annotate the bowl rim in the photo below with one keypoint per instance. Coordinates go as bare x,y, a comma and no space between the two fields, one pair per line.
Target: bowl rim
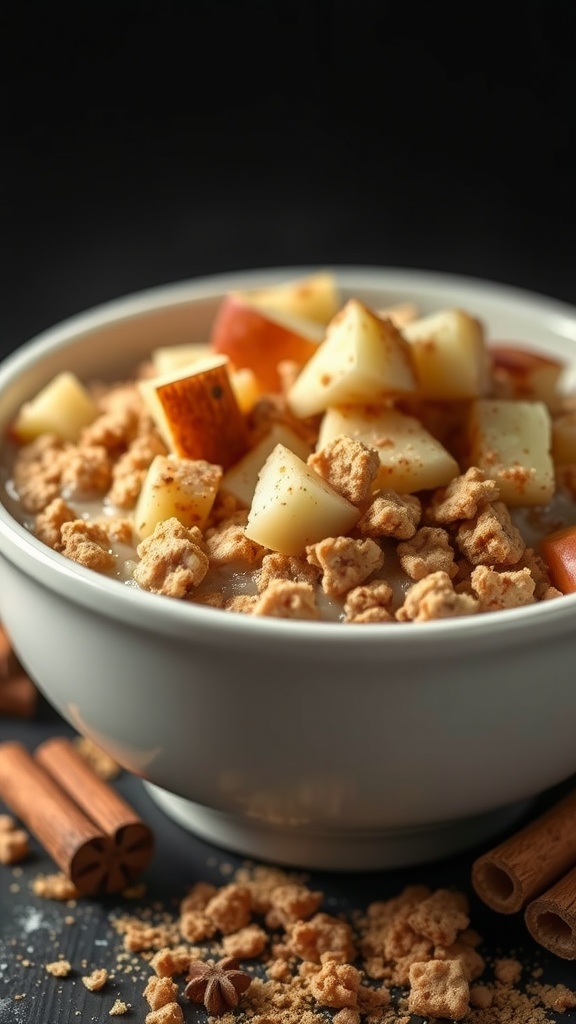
129,604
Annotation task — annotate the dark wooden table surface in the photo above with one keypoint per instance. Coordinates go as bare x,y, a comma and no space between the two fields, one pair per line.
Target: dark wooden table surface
35,931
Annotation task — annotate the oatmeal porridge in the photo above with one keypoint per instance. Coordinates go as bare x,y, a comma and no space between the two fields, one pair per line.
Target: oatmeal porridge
314,458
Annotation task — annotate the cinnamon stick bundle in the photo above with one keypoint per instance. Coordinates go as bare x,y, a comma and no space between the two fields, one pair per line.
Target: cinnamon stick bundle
93,835
527,863
551,917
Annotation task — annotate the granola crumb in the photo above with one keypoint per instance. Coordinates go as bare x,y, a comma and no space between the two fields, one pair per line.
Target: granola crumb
55,886
438,988
96,979
59,968
14,845
119,1008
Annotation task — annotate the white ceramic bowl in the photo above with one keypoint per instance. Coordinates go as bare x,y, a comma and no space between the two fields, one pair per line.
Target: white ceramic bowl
305,743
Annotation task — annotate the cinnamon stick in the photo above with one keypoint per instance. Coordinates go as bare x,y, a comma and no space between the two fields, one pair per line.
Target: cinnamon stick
507,877
96,860
18,696
74,842
551,917
131,840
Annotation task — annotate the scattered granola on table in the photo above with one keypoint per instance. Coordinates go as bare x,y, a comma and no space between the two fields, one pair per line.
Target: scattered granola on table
265,946
390,467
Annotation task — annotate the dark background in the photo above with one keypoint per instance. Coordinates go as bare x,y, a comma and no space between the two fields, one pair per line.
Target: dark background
144,143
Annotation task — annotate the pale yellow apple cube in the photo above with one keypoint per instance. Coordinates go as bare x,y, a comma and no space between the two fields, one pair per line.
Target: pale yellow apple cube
245,387
315,297
511,441
450,355
362,359
177,487
411,459
240,481
293,506
63,407
168,358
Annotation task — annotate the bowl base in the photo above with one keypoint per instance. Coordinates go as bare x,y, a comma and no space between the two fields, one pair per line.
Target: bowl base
332,850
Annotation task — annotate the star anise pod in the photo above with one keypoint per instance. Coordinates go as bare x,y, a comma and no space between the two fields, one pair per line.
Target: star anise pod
217,984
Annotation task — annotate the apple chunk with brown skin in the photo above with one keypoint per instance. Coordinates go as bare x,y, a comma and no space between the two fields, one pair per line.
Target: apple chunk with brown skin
197,413
260,338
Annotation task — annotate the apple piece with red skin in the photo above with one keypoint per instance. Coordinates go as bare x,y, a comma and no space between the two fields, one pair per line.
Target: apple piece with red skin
527,375
315,297
258,338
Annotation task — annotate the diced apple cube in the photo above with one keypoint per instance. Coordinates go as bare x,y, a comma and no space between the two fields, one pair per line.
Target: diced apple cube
564,438
411,459
528,375
168,358
315,297
511,441
176,487
401,313
450,355
196,412
293,506
362,359
63,407
259,338
245,387
240,481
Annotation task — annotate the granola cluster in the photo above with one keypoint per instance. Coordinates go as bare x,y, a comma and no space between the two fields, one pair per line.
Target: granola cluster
410,557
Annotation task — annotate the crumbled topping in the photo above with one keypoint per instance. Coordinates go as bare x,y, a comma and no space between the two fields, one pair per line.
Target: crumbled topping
491,538
228,542
96,979
336,985
295,568
88,544
14,845
59,968
439,988
389,514
349,466
37,470
463,497
370,602
171,559
49,522
86,472
345,562
285,599
429,551
434,597
498,589
130,469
